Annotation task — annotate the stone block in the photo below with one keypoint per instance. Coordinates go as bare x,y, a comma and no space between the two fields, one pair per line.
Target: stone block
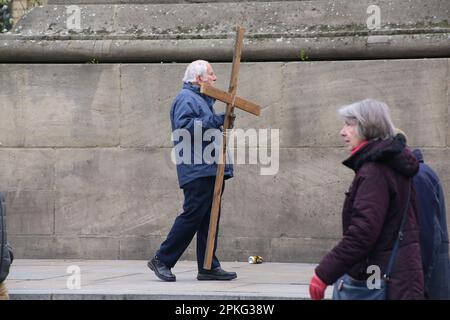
304,199
64,247
300,249
60,105
239,248
147,95
169,20
30,212
415,90
139,248
448,103
116,192
26,169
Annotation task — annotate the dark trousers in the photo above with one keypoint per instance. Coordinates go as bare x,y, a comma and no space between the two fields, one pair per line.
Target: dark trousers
198,197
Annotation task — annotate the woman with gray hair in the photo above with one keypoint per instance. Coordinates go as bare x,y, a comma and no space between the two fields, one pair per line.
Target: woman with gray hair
373,208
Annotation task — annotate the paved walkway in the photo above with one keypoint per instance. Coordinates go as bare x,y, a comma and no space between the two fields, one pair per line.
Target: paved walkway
131,279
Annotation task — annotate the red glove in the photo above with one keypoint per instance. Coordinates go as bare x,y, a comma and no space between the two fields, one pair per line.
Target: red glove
317,288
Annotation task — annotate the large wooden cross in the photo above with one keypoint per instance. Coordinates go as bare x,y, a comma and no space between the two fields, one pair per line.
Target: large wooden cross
232,101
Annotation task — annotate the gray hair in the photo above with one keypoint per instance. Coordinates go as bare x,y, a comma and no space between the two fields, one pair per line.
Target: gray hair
372,117
194,69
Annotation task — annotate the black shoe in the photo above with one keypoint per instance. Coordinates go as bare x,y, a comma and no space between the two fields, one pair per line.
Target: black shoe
216,274
161,270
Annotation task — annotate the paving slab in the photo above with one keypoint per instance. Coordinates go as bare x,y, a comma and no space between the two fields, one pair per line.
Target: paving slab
131,279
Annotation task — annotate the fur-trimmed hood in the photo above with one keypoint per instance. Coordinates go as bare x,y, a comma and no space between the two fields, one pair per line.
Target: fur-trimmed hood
391,152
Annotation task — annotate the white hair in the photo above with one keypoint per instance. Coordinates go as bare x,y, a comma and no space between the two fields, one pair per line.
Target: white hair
194,69
372,117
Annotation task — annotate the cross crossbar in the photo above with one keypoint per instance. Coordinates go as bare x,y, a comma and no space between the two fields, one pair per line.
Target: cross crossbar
227,97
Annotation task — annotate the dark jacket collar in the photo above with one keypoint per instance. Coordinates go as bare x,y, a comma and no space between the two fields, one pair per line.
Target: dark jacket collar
418,154
390,152
196,89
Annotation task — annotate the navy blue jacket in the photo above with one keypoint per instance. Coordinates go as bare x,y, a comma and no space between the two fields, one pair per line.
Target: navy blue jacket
433,231
190,109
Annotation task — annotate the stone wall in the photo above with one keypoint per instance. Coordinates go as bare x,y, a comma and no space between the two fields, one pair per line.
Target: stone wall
182,32
85,153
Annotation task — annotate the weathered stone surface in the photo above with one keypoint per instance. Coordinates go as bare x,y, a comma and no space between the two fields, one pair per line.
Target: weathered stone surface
147,94
275,31
301,206
128,192
51,247
74,200
66,2
115,192
263,86
415,90
212,19
30,212
64,106
27,179
299,249
300,98
26,169
281,49
239,248
303,199
448,103
142,248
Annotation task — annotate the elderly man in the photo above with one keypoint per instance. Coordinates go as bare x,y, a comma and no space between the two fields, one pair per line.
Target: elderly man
196,176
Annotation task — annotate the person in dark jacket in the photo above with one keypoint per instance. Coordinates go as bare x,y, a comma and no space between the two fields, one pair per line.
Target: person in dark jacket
434,232
374,205
192,115
6,254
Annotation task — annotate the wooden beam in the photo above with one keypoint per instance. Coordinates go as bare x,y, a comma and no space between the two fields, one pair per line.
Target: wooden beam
226,97
222,156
